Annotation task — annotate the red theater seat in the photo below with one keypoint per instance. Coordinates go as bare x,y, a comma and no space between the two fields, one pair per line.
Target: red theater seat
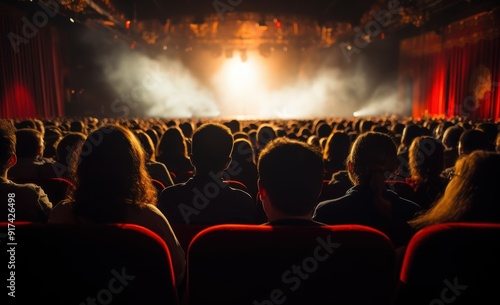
455,263
90,264
256,264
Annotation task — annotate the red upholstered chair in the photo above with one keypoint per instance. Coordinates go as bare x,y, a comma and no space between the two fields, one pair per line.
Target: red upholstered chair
256,264
455,263
90,264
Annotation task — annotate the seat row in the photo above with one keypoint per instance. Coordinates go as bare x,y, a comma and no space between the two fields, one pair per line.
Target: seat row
250,264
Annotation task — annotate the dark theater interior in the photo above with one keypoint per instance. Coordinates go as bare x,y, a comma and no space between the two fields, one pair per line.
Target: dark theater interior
250,152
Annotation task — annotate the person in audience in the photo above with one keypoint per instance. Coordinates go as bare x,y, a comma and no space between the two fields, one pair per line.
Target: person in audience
470,196
156,170
290,181
25,202
450,141
112,186
426,164
372,158
410,132
51,137
206,198
469,141
243,166
173,152
491,131
265,134
334,157
31,166
65,151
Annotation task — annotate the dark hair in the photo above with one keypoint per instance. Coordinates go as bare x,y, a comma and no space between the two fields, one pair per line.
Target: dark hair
110,174
426,158
336,150
212,145
473,139
28,142
292,174
172,144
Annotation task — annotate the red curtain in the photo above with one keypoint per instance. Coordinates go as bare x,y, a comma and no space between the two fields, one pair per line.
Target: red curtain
31,80
455,72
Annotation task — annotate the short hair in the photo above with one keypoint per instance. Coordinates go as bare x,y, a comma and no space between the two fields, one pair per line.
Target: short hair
265,134
291,172
7,143
28,142
451,136
473,139
211,147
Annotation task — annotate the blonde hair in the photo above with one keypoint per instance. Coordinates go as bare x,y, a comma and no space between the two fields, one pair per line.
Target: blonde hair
471,195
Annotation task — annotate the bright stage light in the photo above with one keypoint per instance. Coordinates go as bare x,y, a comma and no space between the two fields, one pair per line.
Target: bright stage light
240,75
239,85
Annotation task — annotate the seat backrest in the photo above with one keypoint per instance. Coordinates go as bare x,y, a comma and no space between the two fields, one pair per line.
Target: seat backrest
258,264
453,262
72,264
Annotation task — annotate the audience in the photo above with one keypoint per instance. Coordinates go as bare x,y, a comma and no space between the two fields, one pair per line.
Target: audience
372,158
290,180
206,198
297,173
112,186
29,201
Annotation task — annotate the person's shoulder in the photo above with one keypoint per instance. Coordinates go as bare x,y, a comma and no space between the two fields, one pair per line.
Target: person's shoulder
403,203
24,188
62,212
